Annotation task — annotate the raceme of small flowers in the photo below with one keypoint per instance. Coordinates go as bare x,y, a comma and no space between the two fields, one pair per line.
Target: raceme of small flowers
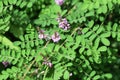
63,23
55,37
59,2
48,63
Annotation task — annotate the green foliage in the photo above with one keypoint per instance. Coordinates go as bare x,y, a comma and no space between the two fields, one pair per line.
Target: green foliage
89,50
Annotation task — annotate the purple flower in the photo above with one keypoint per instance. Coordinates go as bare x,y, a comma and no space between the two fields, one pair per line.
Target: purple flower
59,2
5,63
63,23
48,63
55,37
41,34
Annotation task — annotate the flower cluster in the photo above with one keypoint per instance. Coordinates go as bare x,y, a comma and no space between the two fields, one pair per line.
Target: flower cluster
41,34
47,63
55,37
63,23
59,2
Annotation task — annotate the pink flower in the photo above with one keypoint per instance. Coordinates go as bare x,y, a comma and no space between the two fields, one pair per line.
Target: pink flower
5,63
63,23
48,63
55,37
59,2
41,34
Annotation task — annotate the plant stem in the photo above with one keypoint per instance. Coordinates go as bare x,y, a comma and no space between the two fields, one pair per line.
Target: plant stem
28,69
45,73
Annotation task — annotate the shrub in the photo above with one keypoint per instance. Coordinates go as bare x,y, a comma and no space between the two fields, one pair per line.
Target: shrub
59,40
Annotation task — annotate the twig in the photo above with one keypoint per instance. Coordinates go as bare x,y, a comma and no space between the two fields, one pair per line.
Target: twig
28,69
45,73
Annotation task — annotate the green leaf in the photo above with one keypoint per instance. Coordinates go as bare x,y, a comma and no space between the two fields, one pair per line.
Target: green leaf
32,43
69,44
87,62
78,39
23,53
115,27
39,58
18,2
96,43
114,34
21,38
70,38
83,41
58,72
108,27
5,41
92,73
29,4
118,37
101,18
5,2
69,64
23,45
91,6
14,1
11,7
103,1
100,30
85,30
107,34
81,50
10,1
32,52
36,43
92,37
105,41
56,48
99,10
91,23
75,46
97,5
102,48
63,12
89,52
91,13
96,77
95,27
104,8
110,5
23,4
66,74
108,75
84,6
1,6
88,34
50,78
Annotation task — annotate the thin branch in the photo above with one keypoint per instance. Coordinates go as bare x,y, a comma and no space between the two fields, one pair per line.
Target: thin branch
28,69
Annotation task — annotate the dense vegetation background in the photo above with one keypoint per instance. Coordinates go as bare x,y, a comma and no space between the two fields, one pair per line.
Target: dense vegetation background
59,39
